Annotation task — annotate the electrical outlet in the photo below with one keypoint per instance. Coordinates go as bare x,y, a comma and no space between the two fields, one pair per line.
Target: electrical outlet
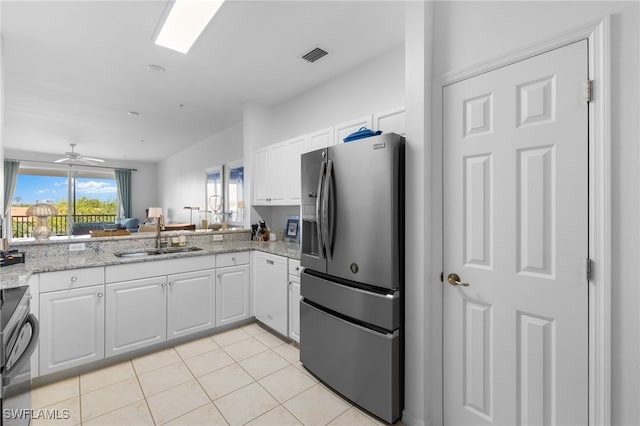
217,238
77,247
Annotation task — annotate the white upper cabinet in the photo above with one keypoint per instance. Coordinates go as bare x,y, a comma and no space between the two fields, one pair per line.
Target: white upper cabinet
320,139
276,173
276,168
391,121
343,130
261,179
293,171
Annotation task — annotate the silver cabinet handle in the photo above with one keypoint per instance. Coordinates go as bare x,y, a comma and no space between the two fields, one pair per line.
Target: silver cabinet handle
171,283
297,268
100,294
74,279
234,260
163,284
269,262
220,276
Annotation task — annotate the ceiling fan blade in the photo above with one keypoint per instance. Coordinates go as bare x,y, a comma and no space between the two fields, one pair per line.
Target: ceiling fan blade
97,160
85,161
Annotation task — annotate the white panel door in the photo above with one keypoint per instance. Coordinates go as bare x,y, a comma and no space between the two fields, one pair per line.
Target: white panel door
136,314
71,328
232,294
190,303
515,229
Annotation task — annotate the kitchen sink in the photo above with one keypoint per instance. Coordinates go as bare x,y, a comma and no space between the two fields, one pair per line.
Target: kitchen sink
155,252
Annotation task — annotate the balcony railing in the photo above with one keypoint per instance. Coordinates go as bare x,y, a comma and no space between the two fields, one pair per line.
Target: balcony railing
22,226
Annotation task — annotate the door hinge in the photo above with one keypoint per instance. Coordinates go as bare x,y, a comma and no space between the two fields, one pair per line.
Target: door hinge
589,269
588,91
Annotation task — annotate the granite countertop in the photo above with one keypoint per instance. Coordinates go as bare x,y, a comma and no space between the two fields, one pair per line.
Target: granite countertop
18,275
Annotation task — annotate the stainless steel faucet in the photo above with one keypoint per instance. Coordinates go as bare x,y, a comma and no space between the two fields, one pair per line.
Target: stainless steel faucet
159,228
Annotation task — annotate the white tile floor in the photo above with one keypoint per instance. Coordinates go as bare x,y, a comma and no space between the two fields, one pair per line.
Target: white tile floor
242,376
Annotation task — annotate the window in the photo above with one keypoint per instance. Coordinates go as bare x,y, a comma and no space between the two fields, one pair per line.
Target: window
79,196
235,192
225,193
214,194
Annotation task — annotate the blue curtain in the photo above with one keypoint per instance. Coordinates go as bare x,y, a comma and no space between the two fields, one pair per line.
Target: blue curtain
11,168
123,182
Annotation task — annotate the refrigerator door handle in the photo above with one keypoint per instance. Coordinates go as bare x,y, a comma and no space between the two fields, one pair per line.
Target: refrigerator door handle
327,225
321,178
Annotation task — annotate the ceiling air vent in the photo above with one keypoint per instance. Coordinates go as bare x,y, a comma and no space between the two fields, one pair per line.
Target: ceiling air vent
314,55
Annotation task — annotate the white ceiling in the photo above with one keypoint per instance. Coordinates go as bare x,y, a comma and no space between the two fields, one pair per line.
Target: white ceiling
74,69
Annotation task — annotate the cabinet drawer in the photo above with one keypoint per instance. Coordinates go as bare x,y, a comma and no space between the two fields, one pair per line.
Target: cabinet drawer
294,267
156,268
232,259
75,278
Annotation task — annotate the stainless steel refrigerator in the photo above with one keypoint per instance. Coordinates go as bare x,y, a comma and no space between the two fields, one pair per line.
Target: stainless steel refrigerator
352,311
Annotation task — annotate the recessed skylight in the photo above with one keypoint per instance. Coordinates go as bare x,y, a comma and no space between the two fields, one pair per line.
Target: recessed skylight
185,22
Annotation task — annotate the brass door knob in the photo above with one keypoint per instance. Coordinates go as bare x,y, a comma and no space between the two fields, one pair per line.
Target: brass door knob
454,279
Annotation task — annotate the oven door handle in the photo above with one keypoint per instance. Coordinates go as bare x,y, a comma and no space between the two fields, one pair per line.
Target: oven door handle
26,355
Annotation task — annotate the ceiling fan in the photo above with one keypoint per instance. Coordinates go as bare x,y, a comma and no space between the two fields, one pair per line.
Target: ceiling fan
73,157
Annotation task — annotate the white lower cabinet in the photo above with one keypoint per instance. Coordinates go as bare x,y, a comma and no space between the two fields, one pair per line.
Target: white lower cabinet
271,292
82,322
232,294
294,308
136,314
71,328
294,299
190,303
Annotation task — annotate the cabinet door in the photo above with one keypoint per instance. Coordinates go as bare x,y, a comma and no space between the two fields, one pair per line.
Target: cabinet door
136,314
260,176
294,308
391,121
295,148
71,328
345,129
232,294
271,294
190,303
320,139
277,173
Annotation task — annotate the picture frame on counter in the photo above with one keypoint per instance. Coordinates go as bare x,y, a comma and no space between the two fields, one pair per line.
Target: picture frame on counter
291,232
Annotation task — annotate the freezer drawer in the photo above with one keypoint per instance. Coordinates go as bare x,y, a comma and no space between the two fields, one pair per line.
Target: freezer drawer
378,309
359,363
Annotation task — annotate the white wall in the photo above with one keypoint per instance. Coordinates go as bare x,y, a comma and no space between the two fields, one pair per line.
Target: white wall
375,86
419,273
2,126
181,177
467,33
